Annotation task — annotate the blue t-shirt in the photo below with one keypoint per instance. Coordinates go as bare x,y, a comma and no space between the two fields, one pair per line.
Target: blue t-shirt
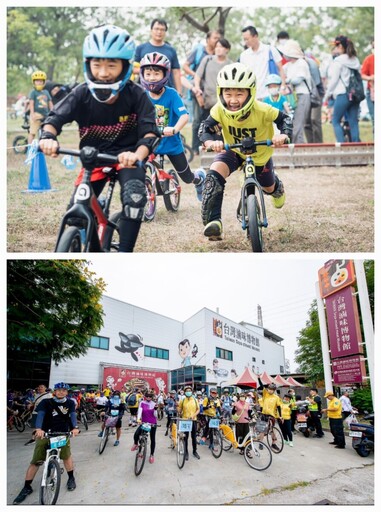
167,50
277,104
169,107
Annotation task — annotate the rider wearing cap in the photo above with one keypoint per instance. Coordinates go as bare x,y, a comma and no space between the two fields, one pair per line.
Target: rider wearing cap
56,414
147,413
189,409
114,407
170,408
211,409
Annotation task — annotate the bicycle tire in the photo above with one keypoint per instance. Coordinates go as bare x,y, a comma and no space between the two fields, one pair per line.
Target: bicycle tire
111,238
217,444
172,192
70,240
257,455
180,452
150,207
140,457
84,420
20,145
49,492
91,417
189,153
104,439
254,229
279,441
19,424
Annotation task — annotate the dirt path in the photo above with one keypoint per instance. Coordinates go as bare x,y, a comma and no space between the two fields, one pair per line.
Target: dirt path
327,210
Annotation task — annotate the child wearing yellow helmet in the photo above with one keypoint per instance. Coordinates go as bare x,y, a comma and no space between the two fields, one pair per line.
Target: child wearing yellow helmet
237,114
40,103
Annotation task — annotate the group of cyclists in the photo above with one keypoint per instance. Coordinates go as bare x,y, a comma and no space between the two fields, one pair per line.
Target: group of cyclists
121,117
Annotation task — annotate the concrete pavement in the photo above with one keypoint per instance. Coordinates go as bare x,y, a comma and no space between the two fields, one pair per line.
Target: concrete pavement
310,472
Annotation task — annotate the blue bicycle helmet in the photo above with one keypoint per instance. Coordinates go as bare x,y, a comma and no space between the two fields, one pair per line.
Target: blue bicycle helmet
61,385
108,42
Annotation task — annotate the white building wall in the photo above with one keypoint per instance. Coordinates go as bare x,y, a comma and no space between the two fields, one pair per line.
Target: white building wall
205,330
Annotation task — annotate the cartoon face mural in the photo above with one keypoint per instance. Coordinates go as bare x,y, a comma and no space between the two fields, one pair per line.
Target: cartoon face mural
160,384
129,344
340,275
185,351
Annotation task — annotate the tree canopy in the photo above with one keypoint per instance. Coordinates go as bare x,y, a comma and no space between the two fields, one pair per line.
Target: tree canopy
51,38
53,307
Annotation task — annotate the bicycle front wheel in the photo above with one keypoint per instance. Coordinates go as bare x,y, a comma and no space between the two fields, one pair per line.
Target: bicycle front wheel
254,223
49,492
20,145
257,455
216,444
91,416
150,207
172,192
140,456
84,420
180,452
104,439
70,240
275,440
19,424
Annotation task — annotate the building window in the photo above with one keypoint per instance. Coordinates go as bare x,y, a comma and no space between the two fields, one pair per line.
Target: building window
281,368
99,342
263,361
253,359
158,353
224,354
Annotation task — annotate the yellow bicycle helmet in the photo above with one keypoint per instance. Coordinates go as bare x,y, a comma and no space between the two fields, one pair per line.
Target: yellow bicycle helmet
39,75
236,76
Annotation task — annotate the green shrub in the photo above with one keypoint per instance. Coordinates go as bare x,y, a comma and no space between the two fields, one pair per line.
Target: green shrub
362,399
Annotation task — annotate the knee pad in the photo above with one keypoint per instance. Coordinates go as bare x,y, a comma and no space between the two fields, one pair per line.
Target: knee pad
212,197
134,199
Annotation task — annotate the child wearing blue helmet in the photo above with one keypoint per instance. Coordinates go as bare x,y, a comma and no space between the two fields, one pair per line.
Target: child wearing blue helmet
114,115
275,98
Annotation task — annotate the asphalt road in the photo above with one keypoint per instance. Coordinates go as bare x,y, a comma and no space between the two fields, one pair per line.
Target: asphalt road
310,472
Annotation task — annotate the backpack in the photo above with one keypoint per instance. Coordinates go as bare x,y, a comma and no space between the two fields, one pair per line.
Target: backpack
318,81
355,89
131,401
198,57
273,69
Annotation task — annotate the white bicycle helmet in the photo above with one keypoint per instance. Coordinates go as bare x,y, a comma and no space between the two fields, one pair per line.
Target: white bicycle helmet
236,76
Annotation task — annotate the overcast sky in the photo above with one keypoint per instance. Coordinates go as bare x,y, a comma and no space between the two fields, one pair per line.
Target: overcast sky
179,285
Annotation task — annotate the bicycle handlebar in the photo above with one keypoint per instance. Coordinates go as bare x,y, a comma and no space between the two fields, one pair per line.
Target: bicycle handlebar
251,143
54,434
88,151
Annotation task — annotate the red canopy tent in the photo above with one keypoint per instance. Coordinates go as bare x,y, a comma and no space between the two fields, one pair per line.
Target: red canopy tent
280,381
266,379
247,379
295,383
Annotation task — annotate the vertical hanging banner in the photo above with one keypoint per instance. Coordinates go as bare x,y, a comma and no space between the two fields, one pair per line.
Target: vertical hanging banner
344,333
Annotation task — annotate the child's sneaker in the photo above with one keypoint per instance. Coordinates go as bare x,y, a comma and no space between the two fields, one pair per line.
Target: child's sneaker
200,173
214,231
278,196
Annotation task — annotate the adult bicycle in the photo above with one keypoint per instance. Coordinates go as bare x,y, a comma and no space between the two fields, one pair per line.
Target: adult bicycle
160,182
51,476
16,421
215,437
86,226
109,430
251,210
257,454
182,426
26,416
141,452
265,426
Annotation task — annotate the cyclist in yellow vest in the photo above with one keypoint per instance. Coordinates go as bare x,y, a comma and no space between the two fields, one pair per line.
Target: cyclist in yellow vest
211,408
334,414
294,408
315,412
286,425
272,405
189,409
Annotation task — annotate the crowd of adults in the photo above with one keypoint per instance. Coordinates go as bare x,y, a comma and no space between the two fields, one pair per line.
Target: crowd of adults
315,91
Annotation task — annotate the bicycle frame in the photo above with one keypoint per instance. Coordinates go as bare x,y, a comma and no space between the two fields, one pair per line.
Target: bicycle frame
158,174
52,453
251,183
86,205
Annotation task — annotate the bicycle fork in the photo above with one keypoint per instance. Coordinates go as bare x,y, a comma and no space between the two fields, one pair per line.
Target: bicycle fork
52,455
251,183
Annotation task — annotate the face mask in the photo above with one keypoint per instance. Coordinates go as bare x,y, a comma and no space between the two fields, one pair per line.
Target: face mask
274,91
59,400
116,400
188,393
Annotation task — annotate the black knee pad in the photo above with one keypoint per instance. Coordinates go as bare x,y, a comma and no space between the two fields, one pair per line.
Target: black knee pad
212,197
134,199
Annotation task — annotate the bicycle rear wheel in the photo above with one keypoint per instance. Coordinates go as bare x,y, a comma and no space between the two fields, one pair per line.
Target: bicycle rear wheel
172,192
84,420
20,145
111,238
189,153
254,223
275,440
257,455
70,240
49,492
216,443
104,439
140,456
150,207
19,424
180,455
